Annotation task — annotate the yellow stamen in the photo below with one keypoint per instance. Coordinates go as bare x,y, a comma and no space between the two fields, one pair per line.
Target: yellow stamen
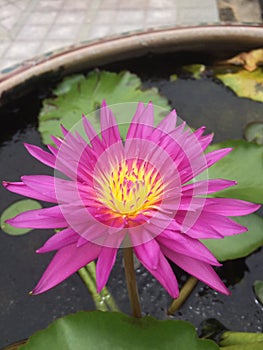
130,189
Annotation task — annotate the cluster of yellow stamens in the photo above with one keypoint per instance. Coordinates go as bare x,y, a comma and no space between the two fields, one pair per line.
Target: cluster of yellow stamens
131,188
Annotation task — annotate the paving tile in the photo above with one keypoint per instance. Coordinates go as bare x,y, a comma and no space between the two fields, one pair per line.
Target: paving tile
3,47
32,32
108,4
196,16
162,4
132,4
70,17
105,16
9,22
4,34
130,16
22,50
88,17
125,28
83,33
4,3
9,62
39,18
204,11
51,45
21,4
208,4
63,31
48,5
99,31
8,11
160,17
78,4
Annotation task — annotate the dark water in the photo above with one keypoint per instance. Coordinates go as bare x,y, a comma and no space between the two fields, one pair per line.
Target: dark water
199,102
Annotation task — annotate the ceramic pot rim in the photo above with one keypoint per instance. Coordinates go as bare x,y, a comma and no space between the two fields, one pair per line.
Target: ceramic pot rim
129,45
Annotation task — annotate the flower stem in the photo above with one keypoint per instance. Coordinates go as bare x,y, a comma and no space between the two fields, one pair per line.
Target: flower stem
131,282
103,300
184,294
85,276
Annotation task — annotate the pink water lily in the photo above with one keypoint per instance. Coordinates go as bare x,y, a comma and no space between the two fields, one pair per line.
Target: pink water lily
140,193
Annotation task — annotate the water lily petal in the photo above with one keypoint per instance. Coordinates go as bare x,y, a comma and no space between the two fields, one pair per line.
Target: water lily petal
149,252
230,207
211,225
168,124
43,156
142,123
24,190
215,156
207,186
109,128
199,269
59,240
164,274
65,262
92,135
104,266
188,246
42,183
39,218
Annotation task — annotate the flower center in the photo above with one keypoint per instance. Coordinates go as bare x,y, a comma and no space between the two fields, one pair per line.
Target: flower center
131,188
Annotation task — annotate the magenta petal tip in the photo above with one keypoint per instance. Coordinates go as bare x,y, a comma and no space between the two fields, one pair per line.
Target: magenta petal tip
103,103
28,145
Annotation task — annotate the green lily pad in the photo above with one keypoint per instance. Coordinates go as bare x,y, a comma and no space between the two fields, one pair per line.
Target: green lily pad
15,346
229,338
243,164
77,95
99,330
250,346
15,209
196,70
258,288
254,132
241,245
244,83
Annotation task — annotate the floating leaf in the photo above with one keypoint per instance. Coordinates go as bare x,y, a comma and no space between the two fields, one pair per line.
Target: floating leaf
249,60
254,132
250,346
15,209
243,164
79,95
211,328
98,330
241,245
244,83
196,70
15,346
258,288
230,338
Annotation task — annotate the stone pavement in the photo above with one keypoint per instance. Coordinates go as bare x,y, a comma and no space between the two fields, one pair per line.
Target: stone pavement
29,28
